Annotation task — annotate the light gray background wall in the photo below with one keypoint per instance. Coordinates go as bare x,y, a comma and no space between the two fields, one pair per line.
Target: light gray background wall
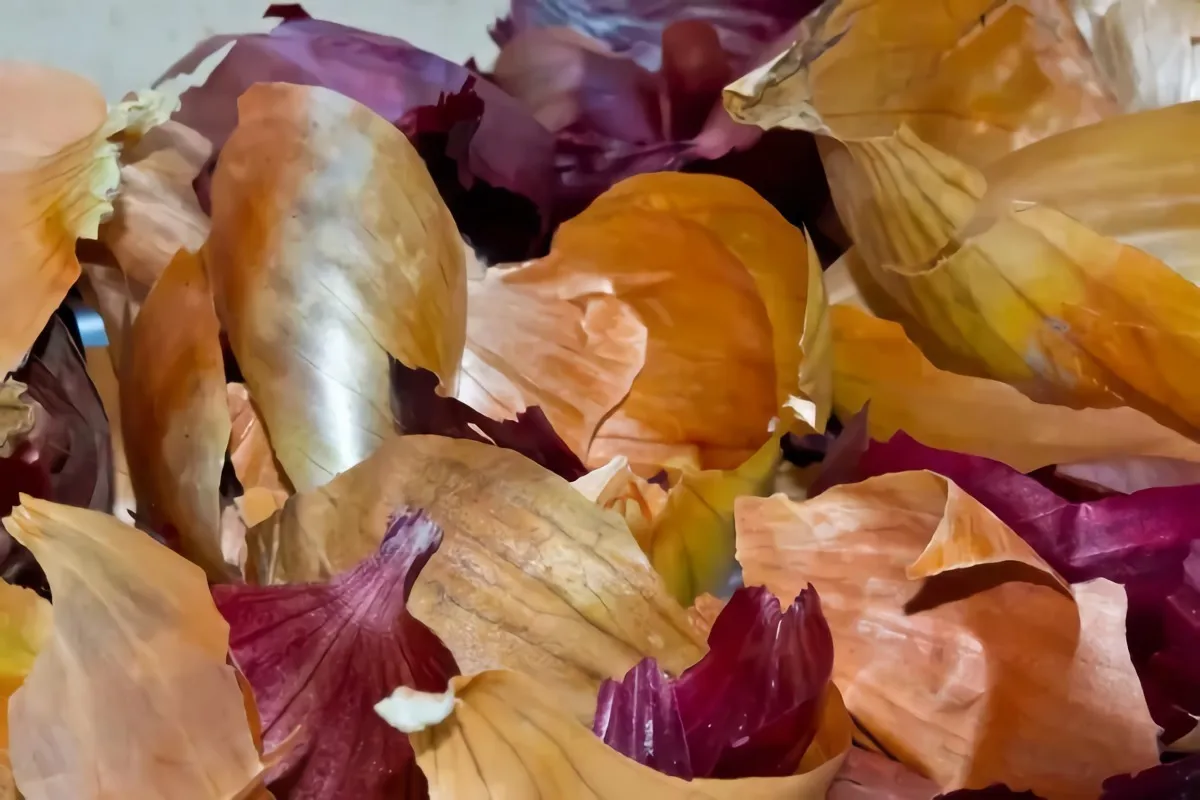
125,44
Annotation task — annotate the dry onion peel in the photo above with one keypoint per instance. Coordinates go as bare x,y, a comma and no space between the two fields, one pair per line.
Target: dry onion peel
1146,51
26,622
1007,290
57,173
721,252
173,406
957,648
137,646
875,363
575,360
531,575
975,79
501,731
319,204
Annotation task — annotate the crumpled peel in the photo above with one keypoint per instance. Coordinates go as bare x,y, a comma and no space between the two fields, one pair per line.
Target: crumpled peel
975,79
685,530
617,487
691,542
60,168
960,651
710,401
155,215
750,708
575,360
250,450
720,252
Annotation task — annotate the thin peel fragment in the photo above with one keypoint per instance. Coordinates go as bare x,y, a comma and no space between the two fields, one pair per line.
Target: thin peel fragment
875,363
57,174
174,412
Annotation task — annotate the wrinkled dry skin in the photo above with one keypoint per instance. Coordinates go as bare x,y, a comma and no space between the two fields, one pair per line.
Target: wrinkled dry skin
956,647
530,576
975,79
985,281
